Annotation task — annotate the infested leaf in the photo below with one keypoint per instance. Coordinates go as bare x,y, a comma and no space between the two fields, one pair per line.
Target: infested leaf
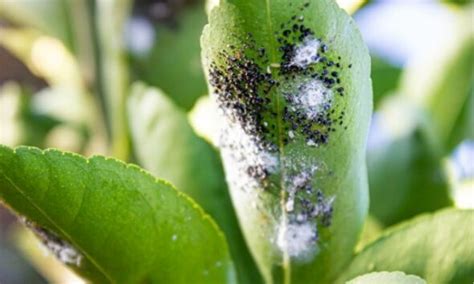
112,222
291,80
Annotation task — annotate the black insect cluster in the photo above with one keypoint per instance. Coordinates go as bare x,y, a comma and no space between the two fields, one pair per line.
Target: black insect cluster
252,91
247,85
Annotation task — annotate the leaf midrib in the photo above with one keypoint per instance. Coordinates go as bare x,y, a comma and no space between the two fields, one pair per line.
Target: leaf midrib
286,259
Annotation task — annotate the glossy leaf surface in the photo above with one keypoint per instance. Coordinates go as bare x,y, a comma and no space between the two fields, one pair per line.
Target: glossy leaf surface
112,222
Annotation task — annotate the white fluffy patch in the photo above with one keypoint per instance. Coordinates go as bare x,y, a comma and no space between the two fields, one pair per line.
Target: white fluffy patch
296,183
312,97
306,53
64,251
240,152
298,240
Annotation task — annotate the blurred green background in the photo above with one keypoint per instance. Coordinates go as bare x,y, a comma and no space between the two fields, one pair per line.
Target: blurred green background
124,78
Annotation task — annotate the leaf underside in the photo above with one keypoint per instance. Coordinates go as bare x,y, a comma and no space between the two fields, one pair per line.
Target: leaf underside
292,82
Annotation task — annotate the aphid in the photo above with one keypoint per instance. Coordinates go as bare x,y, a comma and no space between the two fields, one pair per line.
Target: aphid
245,86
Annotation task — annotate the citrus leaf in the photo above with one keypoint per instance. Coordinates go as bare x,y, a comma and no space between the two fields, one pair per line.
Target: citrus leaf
387,278
292,83
464,126
435,247
112,222
189,163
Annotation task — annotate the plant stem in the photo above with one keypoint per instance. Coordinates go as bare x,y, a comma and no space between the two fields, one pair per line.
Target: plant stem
111,71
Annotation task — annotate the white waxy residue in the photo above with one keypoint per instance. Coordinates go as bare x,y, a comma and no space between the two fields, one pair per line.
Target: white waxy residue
306,53
297,240
290,204
296,183
291,134
64,251
305,208
244,159
313,98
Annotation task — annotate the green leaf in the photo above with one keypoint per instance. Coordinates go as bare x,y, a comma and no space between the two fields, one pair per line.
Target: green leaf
174,63
371,231
385,77
435,247
112,222
292,83
464,126
414,174
440,90
350,6
457,2
387,278
188,162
